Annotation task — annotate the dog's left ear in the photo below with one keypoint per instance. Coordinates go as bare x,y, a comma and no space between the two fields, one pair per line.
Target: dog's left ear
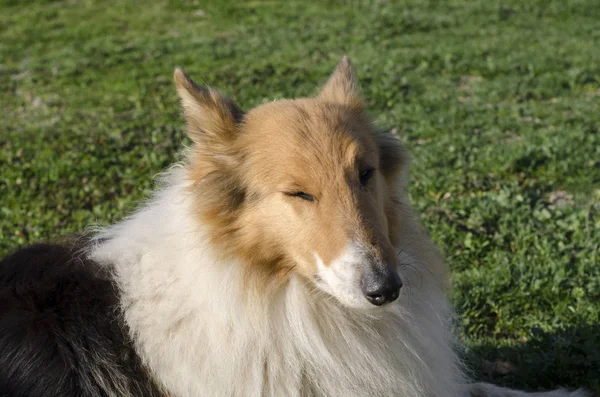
342,87
212,118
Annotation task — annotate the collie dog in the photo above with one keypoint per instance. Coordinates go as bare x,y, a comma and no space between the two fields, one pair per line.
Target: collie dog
280,259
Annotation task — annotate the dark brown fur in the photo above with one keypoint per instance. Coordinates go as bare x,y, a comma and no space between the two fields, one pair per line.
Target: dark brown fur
61,329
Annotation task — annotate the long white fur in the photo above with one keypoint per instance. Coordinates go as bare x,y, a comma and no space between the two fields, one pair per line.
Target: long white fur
202,334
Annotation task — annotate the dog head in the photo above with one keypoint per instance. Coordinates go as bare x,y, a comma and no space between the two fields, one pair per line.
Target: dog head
304,186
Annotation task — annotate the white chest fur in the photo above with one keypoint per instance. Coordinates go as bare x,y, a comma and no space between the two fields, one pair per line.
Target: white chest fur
202,334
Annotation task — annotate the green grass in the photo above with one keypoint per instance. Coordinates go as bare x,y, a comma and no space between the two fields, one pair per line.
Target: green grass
499,104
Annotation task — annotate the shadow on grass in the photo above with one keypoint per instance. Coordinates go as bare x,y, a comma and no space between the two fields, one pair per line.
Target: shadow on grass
568,358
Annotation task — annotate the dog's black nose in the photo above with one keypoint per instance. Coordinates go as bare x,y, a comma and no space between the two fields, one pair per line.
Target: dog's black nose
381,286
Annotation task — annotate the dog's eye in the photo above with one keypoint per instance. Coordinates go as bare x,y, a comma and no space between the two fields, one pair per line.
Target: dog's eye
302,195
365,175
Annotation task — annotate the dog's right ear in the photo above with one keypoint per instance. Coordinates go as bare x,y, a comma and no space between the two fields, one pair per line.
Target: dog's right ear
211,117
342,87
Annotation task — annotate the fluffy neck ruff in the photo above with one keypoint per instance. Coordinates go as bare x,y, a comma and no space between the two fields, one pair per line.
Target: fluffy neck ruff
203,332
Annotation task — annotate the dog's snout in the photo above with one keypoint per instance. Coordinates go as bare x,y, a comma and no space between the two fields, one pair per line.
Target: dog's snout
381,286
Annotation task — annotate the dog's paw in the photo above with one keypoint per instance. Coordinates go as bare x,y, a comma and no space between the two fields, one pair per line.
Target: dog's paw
489,390
578,393
565,393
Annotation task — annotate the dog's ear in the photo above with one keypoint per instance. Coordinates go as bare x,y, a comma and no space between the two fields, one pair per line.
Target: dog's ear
342,86
211,117
392,156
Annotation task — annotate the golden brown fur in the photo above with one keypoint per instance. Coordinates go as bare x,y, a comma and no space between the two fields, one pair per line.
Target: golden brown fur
312,145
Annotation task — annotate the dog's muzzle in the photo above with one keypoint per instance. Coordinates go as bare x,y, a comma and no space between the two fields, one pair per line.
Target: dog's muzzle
380,286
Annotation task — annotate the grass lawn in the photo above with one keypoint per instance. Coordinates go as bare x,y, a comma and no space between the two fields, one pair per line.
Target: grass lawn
499,104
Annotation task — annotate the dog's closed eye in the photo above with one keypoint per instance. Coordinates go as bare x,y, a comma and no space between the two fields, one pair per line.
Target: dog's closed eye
302,195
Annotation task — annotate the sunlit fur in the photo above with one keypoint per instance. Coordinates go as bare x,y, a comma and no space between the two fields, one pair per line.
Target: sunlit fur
232,287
